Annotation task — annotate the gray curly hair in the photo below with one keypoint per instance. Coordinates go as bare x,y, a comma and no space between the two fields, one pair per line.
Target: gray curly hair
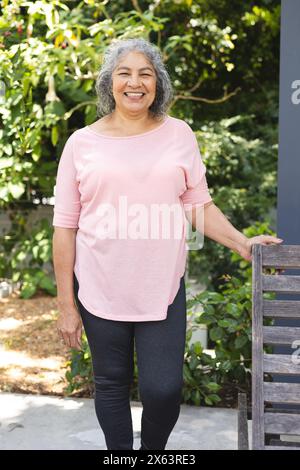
112,54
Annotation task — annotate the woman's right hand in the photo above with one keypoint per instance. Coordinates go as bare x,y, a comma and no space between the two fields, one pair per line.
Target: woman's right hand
69,325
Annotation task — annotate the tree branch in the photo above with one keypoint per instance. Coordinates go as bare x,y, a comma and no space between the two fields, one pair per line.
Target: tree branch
225,97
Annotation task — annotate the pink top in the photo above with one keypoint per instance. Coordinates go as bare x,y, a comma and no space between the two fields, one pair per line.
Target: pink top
127,263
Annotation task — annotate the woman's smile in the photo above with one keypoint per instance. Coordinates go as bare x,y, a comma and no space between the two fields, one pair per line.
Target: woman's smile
134,96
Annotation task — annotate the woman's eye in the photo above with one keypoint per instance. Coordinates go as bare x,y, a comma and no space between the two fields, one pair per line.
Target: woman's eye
144,74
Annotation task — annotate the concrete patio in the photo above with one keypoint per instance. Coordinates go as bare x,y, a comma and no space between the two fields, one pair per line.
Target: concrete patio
48,422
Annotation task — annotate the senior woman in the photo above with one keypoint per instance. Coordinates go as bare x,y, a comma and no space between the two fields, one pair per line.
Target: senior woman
120,280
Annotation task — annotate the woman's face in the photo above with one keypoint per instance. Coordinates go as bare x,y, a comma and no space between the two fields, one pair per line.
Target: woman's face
134,74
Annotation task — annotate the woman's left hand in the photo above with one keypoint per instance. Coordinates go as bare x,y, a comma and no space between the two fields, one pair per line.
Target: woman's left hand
245,250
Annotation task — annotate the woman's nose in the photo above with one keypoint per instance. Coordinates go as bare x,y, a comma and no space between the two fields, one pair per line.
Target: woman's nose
134,81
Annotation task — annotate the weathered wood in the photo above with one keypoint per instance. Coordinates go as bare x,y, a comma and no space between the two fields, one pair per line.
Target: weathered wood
282,410
281,308
257,350
281,448
280,334
282,423
281,364
268,422
243,441
281,256
279,442
281,283
276,392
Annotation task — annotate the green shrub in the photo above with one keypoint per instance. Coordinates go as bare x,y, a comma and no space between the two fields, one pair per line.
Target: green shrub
199,373
228,316
80,371
24,256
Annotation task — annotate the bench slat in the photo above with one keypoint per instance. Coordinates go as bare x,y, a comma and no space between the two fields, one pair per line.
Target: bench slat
281,283
282,410
281,448
281,308
282,423
257,351
276,392
284,335
281,364
281,256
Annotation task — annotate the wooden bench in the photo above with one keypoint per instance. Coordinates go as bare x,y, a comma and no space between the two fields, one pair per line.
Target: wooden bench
273,422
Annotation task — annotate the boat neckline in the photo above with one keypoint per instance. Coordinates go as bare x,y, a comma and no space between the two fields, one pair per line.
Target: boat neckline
128,136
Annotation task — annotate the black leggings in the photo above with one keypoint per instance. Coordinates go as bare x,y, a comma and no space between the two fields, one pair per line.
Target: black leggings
160,354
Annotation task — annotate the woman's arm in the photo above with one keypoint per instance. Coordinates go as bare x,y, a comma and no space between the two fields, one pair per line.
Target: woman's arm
218,228
69,323
63,260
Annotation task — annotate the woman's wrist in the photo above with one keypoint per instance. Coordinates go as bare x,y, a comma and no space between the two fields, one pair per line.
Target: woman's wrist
241,242
64,302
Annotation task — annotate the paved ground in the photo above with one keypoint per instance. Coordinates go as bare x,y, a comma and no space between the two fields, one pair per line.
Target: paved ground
47,422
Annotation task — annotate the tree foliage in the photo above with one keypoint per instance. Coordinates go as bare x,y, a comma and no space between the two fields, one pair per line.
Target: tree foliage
223,61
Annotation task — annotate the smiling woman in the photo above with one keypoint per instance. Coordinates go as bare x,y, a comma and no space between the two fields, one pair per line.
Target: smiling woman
131,287
133,88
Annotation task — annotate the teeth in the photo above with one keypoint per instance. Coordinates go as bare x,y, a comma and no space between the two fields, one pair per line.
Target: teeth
134,94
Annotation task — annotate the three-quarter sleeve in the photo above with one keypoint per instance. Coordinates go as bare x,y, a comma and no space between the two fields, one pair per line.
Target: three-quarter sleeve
67,196
197,192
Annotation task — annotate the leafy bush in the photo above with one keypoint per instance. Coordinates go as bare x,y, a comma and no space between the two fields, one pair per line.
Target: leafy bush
199,373
24,256
241,174
80,370
228,316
